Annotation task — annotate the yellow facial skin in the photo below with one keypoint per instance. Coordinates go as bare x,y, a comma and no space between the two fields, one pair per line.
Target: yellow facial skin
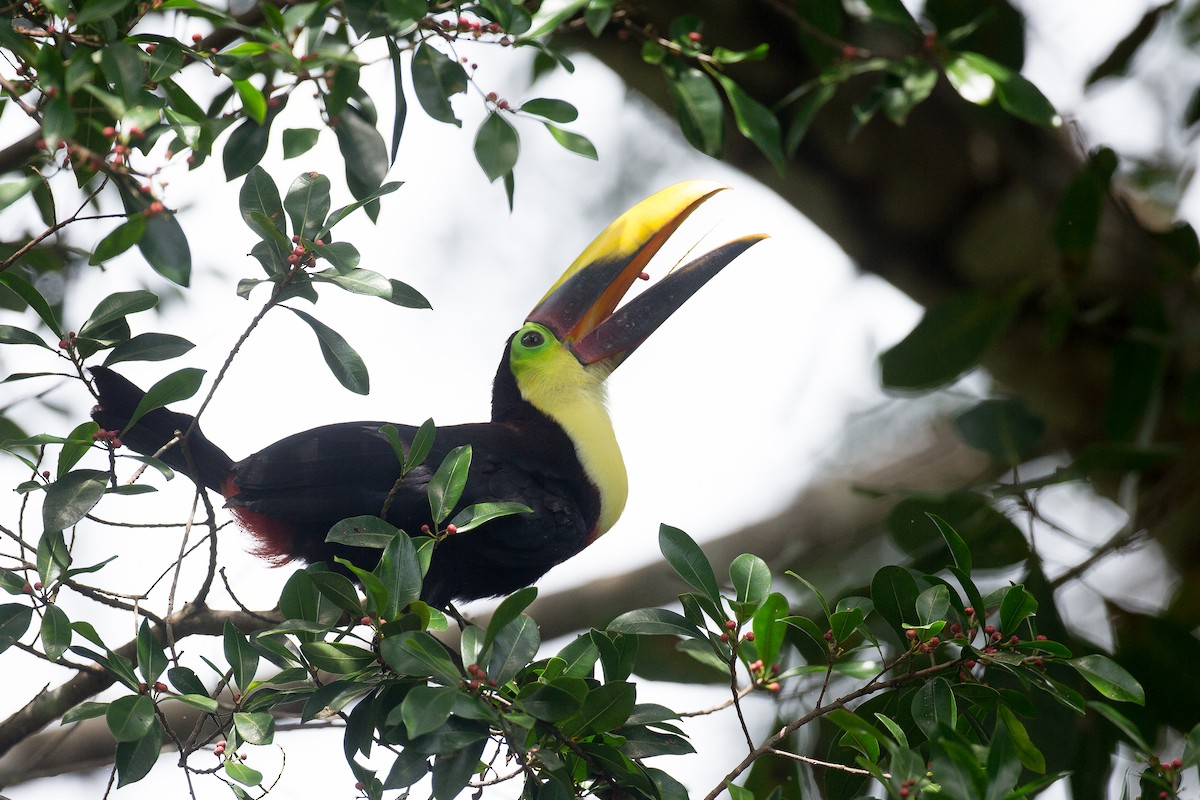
553,381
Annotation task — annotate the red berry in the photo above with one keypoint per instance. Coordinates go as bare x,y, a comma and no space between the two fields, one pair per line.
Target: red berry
502,104
724,636
27,589
196,37
109,131
1040,638
424,529
828,636
365,621
37,585
694,36
159,686
910,633
773,686
644,276
969,611
150,48
451,529
749,637
359,785
730,624
1014,639
1176,764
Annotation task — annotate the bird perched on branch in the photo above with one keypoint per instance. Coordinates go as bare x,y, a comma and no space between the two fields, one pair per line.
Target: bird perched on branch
549,445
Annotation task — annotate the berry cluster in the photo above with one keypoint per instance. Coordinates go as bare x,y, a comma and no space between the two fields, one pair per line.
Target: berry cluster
301,257
479,677
68,342
110,438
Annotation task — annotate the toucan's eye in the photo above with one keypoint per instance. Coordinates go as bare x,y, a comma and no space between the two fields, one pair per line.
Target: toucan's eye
532,339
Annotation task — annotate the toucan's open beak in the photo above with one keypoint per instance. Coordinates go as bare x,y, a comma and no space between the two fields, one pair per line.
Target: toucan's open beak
581,307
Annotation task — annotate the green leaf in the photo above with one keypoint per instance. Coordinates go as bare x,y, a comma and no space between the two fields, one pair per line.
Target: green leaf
88,709
574,142
453,769
769,628
241,656
970,73
134,759
426,708
14,622
1016,606
149,347
151,659
243,774
58,122
477,514
400,572
307,203
688,561
1123,724
654,621
934,707
261,208
68,500
117,306
399,100
446,487
436,78
255,728
1002,428
12,191
698,107
23,289
506,613
346,210
199,701
298,141
751,578
364,152
895,13
129,717
345,364
604,708
336,657
340,590
56,632
417,654
894,592
1109,678
10,334
948,341
933,604
515,645
364,531
254,104
98,10
553,110
119,239
1028,754
496,146
756,122
958,548
179,385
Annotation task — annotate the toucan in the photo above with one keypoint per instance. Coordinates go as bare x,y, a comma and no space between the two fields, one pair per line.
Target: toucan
549,445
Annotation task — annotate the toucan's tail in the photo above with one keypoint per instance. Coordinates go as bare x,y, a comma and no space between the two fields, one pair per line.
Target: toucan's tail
194,456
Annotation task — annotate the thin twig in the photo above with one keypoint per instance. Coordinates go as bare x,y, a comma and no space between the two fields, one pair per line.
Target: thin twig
722,706
816,762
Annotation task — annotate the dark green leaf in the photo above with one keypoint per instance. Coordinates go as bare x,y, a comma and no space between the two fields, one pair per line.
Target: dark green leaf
769,628
23,289
400,571
129,717
934,707
255,728
68,500
751,578
806,112
436,78
260,206
135,759
894,592
339,589
14,622
1002,428
1027,752
243,774
933,604
496,146
152,661
553,110
85,710
698,108
755,121
604,708
477,514
688,561
185,681
119,239
1109,678
364,152
10,334
116,306
336,657
58,122
895,13
1016,606
426,708
345,364
948,341
307,203
453,769
417,654
179,385
241,656
400,101
1123,724
446,487
507,612
958,548
56,632
149,347
1117,62
98,10
654,621
298,141
515,646
574,142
